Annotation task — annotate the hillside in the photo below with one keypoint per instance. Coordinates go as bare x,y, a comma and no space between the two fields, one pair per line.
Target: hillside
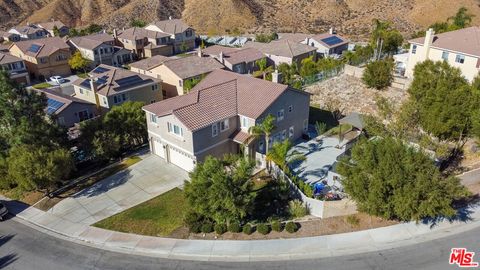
352,17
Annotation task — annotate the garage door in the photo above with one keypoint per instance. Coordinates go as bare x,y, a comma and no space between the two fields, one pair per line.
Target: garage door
181,159
158,149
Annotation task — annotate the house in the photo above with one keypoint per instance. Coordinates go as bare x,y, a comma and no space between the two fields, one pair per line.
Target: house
175,72
215,117
29,31
284,51
460,48
68,110
7,36
44,57
61,29
294,37
107,86
328,44
239,60
101,49
15,67
145,43
181,35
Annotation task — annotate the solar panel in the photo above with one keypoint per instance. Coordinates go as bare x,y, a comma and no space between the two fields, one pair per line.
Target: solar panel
332,40
129,80
86,83
100,70
53,105
34,48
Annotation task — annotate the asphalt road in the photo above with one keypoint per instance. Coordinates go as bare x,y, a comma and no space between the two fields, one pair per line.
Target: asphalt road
22,247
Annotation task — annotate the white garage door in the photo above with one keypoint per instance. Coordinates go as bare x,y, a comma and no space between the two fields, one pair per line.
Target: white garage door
181,159
158,149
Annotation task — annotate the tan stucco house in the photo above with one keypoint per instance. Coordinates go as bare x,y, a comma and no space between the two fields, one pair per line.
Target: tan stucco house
182,36
283,51
15,67
107,86
50,26
215,117
144,43
44,57
239,60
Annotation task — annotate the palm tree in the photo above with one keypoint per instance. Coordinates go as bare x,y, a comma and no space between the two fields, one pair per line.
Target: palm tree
281,155
265,128
263,68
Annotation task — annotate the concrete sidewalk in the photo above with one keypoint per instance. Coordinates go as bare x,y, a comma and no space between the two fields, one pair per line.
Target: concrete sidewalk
255,250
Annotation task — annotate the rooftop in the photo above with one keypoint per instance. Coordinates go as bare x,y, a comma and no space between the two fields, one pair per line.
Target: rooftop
465,40
91,41
191,66
51,25
6,58
245,55
135,33
284,48
173,26
295,37
330,40
42,47
58,102
149,63
27,29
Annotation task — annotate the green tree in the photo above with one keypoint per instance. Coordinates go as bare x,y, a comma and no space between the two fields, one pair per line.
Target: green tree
56,32
265,128
320,127
282,155
221,191
265,38
308,67
379,74
138,23
263,68
78,62
188,84
461,19
390,179
386,36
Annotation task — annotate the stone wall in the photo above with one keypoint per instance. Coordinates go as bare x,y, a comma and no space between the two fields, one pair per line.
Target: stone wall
354,71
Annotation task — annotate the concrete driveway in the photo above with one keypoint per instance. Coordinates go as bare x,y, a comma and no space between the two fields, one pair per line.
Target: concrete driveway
144,180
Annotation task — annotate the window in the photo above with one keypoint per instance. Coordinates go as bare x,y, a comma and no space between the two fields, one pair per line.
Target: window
243,122
118,98
305,125
105,100
83,115
290,108
164,93
291,132
460,59
224,125
95,52
124,97
152,101
61,121
81,90
175,129
261,146
284,134
280,115
154,87
214,129
445,56
180,83
414,49
188,33
153,118
101,50
43,60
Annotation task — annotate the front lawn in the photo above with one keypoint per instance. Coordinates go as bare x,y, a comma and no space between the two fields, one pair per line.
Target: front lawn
42,85
159,216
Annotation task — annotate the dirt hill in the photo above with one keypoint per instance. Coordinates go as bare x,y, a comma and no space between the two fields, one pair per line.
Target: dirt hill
351,17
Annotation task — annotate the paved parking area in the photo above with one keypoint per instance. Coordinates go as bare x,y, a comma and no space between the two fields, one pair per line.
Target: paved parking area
139,183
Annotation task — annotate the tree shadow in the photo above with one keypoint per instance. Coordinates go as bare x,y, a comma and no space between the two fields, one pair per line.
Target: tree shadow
106,184
464,207
7,260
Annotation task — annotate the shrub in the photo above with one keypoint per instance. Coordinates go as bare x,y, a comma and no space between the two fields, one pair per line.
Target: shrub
297,209
247,229
234,227
291,227
195,228
353,220
220,228
277,226
308,190
193,221
263,228
207,227
379,74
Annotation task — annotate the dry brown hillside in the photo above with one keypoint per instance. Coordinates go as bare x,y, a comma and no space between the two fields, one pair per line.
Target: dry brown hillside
352,17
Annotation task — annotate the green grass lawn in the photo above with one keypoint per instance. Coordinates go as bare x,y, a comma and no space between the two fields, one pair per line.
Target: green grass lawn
159,216
42,85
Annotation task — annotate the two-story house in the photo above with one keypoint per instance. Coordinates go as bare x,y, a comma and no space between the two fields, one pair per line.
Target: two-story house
15,67
460,48
239,60
283,51
144,43
7,36
44,57
107,86
328,44
215,118
101,49
181,35
174,72
54,28
29,31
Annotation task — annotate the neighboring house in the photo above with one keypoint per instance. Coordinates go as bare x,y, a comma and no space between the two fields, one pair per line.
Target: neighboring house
295,37
29,31
7,36
51,25
460,48
181,35
101,49
44,57
145,43
68,110
15,67
215,117
242,61
328,44
174,72
284,51
107,86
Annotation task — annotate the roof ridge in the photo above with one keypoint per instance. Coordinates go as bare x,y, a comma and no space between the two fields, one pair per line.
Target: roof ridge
289,48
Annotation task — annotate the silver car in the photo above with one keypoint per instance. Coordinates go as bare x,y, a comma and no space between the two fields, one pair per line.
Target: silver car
3,211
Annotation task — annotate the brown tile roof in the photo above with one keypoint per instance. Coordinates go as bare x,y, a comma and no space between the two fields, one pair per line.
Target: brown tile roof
6,58
111,80
51,24
284,48
65,99
246,55
28,29
191,66
136,33
295,37
222,94
465,40
319,38
46,46
4,47
91,42
240,136
174,26
149,63
216,49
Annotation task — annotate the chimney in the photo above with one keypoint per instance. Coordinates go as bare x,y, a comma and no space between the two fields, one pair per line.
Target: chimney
220,57
430,34
277,77
331,31
200,53
115,34
93,87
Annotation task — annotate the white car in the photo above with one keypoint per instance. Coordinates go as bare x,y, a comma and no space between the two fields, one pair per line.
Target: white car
57,79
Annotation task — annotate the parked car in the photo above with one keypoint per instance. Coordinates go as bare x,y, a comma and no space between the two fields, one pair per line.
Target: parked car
57,79
3,211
